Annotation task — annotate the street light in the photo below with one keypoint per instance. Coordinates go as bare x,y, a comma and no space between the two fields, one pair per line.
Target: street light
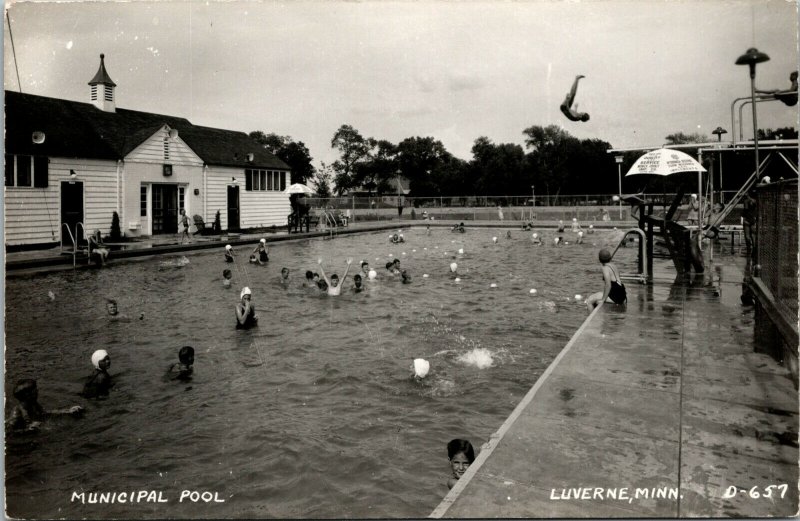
751,58
619,159
718,132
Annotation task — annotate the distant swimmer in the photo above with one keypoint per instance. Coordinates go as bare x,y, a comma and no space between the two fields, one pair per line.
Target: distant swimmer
391,269
536,239
261,252
461,455
99,382
114,314
28,414
285,279
183,369
406,276
576,226
309,282
334,286
229,253
358,287
560,226
579,240
566,106
226,278
364,268
245,311
508,234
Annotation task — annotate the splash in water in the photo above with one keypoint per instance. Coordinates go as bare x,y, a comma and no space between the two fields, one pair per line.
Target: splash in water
480,357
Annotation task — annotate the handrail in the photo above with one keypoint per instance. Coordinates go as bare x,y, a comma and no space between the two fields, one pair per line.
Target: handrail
643,276
74,244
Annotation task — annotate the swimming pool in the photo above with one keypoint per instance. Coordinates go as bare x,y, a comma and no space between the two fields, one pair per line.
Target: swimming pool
315,413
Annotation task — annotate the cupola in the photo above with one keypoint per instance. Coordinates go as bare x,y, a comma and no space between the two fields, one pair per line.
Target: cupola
101,89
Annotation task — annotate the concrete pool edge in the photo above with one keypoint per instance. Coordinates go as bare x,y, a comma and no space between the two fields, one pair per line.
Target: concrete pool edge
488,447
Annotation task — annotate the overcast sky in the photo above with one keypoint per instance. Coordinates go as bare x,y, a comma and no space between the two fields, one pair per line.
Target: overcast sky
453,71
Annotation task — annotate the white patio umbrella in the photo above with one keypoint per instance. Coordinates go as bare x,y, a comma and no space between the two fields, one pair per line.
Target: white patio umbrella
298,188
667,161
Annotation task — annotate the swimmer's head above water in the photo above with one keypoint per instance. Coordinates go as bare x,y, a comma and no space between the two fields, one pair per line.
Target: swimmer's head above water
101,360
334,280
357,280
285,273
26,390
245,293
604,256
111,307
186,355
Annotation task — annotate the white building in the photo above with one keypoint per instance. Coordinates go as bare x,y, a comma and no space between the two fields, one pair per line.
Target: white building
69,162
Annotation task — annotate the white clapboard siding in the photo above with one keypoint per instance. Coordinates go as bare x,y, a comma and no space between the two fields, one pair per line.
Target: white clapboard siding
152,151
33,215
256,208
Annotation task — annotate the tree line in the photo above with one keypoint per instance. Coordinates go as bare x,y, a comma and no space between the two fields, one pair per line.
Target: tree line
552,162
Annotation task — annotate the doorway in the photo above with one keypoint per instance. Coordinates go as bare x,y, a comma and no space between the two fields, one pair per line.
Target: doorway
233,208
165,209
71,210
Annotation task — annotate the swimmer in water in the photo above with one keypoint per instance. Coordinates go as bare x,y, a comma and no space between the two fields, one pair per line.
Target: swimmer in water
284,280
226,278
427,229
613,288
508,234
558,241
536,239
183,369
245,311
365,268
566,106
309,282
579,240
395,239
591,228
461,455
322,286
228,253
357,286
576,226
406,277
99,382
28,414
560,226
261,252
114,314
334,286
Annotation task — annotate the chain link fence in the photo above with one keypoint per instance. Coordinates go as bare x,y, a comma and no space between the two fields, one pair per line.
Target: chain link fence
777,241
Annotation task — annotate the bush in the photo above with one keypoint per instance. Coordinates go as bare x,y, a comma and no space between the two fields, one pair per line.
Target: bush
116,233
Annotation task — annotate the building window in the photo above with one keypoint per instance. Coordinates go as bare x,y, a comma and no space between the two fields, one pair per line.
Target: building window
269,181
263,175
256,183
143,201
257,180
27,171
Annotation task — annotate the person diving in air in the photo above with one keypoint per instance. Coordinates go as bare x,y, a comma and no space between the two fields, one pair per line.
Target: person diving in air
566,106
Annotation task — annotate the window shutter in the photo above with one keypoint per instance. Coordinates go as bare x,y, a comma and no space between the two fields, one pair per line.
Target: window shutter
40,171
248,180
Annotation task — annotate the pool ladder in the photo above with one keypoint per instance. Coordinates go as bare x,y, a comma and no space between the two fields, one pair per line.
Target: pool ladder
75,248
330,222
642,276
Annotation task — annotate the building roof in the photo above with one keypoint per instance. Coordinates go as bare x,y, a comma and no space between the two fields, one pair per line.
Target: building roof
81,130
102,76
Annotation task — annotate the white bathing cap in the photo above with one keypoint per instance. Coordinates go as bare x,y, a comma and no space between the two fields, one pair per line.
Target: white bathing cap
591,226
421,367
580,234
535,235
574,220
245,291
97,356
494,239
263,241
453,267
228,247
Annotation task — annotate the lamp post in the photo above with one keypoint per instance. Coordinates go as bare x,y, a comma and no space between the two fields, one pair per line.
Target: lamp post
751,58
718,132
619,159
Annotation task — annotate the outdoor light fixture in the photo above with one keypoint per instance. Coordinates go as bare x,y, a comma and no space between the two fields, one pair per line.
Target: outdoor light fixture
72,176
751,58
718,132
38,137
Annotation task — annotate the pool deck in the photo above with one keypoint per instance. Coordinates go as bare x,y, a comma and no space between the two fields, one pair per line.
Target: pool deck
670,395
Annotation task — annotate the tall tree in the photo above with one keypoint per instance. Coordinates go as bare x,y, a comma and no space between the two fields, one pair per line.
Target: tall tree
377,171
353,149
679,138
293,153
322,181
421,160
499,169
551,148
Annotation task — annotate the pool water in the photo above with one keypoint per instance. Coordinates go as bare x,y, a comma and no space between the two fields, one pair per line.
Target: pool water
315,413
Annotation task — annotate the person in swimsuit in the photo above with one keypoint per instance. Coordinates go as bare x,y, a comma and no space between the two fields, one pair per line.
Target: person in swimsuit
285,280
461,455
788,96
98,248
184,220
115,315
566,106
357,286
99,382
309,282
228,253
694,211
406,277
613,289
245,311
261,252
536,240
364,269
28,414
333,286
183,369
226,278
